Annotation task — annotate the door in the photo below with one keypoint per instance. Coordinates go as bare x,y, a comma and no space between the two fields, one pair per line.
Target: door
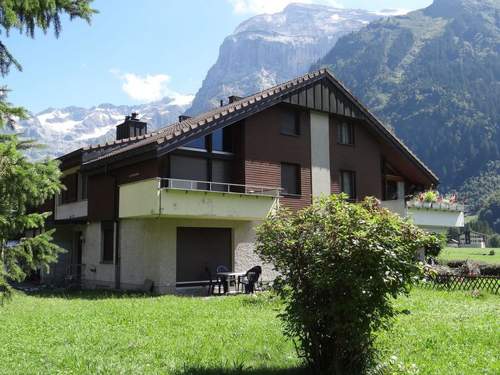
201,248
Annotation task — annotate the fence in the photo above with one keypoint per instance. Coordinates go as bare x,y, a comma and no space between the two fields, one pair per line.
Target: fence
453,282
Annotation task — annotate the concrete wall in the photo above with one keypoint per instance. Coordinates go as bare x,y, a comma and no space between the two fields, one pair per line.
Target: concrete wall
96,273
71,210
436,220
320,154
397,206
149,250
191,203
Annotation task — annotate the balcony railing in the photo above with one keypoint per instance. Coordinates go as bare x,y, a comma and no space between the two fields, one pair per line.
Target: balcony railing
72,210
170,197
221,187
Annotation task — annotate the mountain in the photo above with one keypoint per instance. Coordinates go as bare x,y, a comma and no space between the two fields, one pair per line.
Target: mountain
433,75
272,48
65,129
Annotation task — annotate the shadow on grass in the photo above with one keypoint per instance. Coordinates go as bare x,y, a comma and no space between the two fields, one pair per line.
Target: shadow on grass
243,371
82,294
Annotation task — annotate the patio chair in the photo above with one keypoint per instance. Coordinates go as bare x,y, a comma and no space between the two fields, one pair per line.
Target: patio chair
251,279
213,281
222,268
226,283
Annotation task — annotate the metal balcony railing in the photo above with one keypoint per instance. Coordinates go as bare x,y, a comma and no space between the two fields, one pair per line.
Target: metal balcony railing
222,187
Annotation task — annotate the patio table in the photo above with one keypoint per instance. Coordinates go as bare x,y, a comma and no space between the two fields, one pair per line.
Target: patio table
231,275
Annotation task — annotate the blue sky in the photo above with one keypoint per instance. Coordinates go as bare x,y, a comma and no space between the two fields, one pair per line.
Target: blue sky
137,51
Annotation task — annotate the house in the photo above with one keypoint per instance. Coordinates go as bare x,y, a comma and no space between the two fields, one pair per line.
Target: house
166,205
471,238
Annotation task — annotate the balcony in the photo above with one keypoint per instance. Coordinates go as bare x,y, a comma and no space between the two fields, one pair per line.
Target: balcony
73,210
196,199
434,217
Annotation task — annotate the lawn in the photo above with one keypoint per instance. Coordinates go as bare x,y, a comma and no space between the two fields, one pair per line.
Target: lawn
463,253
442,332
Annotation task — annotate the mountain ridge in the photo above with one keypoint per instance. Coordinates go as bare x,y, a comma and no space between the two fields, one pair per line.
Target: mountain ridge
433,79
271,48
66,129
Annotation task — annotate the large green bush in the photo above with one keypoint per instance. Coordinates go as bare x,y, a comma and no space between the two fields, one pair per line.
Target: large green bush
340,266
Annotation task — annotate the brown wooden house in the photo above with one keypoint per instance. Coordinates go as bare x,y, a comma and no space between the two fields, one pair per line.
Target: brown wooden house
166,205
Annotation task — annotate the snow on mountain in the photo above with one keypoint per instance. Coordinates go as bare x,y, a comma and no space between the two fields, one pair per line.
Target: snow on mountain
262,51
271,48
63,130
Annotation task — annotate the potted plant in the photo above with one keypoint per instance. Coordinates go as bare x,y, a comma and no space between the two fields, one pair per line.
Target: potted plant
429,197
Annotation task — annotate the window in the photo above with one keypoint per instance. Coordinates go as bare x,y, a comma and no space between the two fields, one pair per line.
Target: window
107,232
290,179
71,193
391,190
221,172
82,186
222,139
345,133
197,143
188,168
290,123
348,183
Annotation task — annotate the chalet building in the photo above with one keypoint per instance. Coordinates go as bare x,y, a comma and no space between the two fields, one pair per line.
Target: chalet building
166,205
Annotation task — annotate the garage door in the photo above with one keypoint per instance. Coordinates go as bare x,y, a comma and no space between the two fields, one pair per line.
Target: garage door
198,248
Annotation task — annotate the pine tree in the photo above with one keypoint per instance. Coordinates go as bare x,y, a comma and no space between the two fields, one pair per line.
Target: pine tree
25,184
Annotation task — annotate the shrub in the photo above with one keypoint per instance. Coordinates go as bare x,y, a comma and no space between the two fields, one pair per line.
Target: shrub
340,265
494,241
435,244
455,263
486,269
490,269
470,268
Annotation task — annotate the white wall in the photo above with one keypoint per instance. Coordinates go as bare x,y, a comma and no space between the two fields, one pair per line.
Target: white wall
96,273
244,251
437,219
320,154
148,250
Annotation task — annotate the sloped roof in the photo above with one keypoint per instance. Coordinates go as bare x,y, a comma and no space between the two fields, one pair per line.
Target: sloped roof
179,133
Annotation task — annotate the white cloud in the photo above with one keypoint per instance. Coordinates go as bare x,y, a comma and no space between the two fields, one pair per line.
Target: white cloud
147,88
273,6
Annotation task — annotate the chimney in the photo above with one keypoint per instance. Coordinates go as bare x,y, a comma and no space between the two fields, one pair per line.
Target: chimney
222,103
234,98
131,127
183,117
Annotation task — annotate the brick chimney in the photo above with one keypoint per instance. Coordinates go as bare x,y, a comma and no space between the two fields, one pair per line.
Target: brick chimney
131,127
234,98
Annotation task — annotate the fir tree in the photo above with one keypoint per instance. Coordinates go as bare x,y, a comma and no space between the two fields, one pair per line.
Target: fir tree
25,184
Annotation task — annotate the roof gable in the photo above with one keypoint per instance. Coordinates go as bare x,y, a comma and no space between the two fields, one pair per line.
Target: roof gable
318,90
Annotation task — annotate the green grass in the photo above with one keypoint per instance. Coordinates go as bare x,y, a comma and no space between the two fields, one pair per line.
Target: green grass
444,332
480,255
